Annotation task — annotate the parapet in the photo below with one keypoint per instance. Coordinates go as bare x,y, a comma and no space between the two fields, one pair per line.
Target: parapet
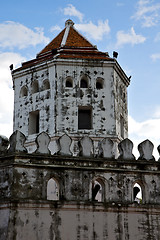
85,147
26,175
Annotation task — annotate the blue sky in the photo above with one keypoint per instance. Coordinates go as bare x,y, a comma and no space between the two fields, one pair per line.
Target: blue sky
132,28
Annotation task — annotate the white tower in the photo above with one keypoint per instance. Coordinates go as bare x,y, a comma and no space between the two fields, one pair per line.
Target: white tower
72,88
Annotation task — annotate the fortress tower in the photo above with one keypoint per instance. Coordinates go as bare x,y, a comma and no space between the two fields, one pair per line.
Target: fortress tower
71,87
60,178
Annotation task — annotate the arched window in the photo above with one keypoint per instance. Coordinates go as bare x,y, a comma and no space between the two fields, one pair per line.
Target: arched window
84,83
99,83
97,190
137,193
24,91
35,86
46,84
52,189
69,82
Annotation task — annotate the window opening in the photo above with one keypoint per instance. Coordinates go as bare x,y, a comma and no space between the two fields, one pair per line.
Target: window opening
97,191
99,83
84,83
124,97
52,189
84,118
24,91
122,126
35,87
137,193
46,85
69,83
34,122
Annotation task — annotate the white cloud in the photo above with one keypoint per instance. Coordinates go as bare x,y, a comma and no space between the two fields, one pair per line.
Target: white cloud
6,91
93,31
55,28
70,10
140,131
14,34
155,56
147,12
146,128
129,38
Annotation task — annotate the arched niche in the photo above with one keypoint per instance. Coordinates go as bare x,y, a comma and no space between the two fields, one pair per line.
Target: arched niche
138,193
97,190
35,86
53,189
99,83
84,82
24,91
69,82
46,84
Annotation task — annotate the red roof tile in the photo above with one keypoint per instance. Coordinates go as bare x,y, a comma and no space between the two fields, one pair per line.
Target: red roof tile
69,43
75,39
55,43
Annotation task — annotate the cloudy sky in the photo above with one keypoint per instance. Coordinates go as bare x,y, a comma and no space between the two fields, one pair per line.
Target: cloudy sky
132,28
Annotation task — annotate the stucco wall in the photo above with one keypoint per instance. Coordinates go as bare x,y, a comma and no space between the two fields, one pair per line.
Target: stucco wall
83,221
58,106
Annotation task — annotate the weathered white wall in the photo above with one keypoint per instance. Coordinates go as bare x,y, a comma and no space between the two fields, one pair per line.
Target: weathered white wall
82,221
37,101
58,106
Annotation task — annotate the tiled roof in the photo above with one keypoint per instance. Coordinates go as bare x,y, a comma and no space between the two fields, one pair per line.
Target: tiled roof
55,43
69,37
68,44
76,40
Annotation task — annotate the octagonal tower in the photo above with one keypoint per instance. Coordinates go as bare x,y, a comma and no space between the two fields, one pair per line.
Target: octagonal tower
71,87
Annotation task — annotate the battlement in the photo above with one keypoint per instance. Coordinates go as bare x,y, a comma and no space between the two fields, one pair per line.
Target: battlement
74,177
84,146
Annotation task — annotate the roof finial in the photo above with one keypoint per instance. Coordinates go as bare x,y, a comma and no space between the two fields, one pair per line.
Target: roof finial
69,22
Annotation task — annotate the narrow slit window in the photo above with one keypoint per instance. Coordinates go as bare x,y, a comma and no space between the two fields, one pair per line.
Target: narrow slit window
84,118
34,122
122,126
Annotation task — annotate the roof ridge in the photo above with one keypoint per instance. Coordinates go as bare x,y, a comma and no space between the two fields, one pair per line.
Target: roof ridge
65,36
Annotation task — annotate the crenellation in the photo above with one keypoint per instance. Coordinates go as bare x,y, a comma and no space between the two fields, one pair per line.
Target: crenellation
4,142
16,141
145,149
86,146
125,149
